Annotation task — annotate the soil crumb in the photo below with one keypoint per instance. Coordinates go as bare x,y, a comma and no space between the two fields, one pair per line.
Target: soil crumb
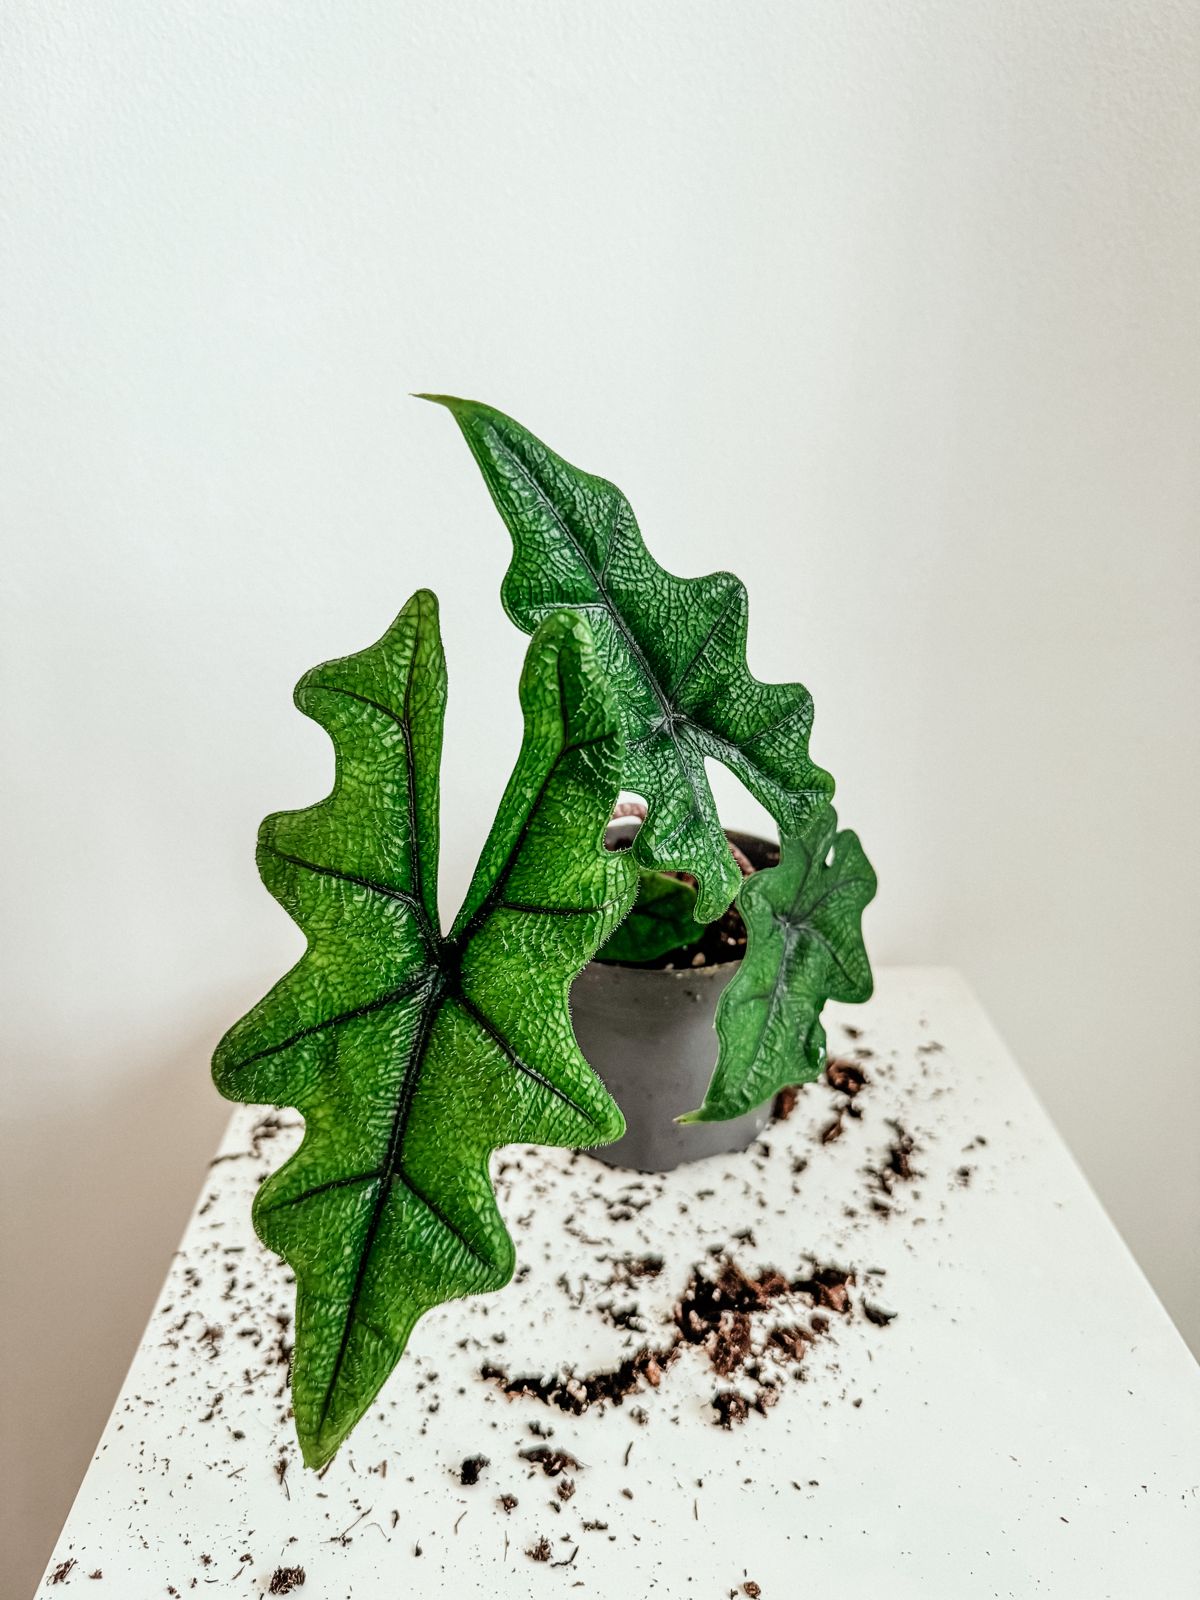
847,1077
786,1102
896,1167
552,1462
627,1270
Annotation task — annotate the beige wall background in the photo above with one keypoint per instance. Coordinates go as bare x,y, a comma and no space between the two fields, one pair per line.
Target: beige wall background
891,307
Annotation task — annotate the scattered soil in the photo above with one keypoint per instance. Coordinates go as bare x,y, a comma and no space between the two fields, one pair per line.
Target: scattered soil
285,1579
724,1315
730,1407
834,1130
471,1467
827,1287
900,1152
267,1127
552,1462
628,1269
730,1343
844,1077
792,1341
877,1315
786,1102
738,1333
575,1394
847,1077
896,1168
705,1301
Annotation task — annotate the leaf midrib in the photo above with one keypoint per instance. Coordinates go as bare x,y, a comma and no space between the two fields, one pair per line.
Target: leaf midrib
443,976
442,990
391,1165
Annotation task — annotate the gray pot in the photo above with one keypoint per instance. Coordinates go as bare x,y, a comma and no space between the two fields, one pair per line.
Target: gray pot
648,1032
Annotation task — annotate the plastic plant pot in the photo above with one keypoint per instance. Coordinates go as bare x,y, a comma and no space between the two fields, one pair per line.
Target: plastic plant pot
648,1032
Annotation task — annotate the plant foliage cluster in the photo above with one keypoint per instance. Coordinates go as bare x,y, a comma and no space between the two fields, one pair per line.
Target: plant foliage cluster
411,1053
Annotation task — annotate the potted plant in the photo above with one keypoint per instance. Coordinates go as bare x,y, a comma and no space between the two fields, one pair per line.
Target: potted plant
412,1054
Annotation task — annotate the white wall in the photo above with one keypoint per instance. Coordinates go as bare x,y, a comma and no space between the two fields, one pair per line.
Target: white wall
892,307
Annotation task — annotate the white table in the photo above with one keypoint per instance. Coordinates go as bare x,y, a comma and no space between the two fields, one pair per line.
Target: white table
1027,1424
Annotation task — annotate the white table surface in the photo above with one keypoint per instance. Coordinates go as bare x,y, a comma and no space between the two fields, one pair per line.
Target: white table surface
1028,1424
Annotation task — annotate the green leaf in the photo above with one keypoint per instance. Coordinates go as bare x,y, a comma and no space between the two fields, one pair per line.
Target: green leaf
410,1056
674,649
804,946
662,919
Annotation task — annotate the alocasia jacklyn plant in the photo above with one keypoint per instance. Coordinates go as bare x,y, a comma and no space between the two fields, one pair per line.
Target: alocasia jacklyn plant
413,1054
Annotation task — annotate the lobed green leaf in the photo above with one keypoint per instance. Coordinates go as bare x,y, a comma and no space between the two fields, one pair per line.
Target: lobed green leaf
412,1056
673,648
804,946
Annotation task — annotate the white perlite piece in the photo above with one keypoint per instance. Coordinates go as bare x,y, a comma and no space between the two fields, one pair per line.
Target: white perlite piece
1027,1422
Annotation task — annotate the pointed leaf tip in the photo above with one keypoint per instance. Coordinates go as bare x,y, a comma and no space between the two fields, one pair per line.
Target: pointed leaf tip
452,402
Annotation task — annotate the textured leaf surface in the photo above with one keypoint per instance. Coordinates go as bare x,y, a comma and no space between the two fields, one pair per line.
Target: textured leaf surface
675,650
410,1056
804,946
663,918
